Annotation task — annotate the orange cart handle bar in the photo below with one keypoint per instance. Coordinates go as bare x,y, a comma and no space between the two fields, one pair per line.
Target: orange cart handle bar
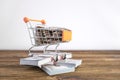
27,20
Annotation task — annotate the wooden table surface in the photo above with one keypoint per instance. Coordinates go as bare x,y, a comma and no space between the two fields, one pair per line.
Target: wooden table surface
97,65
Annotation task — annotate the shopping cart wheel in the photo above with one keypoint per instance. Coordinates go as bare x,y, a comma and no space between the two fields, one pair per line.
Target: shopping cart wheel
64,57
30,54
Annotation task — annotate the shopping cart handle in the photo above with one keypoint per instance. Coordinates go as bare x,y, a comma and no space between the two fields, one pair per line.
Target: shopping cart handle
27,20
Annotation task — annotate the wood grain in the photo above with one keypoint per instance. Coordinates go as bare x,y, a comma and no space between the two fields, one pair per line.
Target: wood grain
97,65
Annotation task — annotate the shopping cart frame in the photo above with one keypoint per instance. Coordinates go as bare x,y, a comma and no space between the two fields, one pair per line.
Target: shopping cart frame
32,34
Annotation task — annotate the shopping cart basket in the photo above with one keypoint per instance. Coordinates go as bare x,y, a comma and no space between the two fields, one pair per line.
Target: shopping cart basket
42,35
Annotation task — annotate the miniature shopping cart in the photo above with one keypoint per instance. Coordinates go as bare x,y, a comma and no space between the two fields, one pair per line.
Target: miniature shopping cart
42,35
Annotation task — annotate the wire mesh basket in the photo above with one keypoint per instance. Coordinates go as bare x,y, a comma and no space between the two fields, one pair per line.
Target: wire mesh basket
42,35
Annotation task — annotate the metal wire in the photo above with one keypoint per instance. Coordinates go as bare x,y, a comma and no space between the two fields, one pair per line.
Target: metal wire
56,50
30,54
45,49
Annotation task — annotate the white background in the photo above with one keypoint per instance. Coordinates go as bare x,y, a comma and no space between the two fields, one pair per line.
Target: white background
95,23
